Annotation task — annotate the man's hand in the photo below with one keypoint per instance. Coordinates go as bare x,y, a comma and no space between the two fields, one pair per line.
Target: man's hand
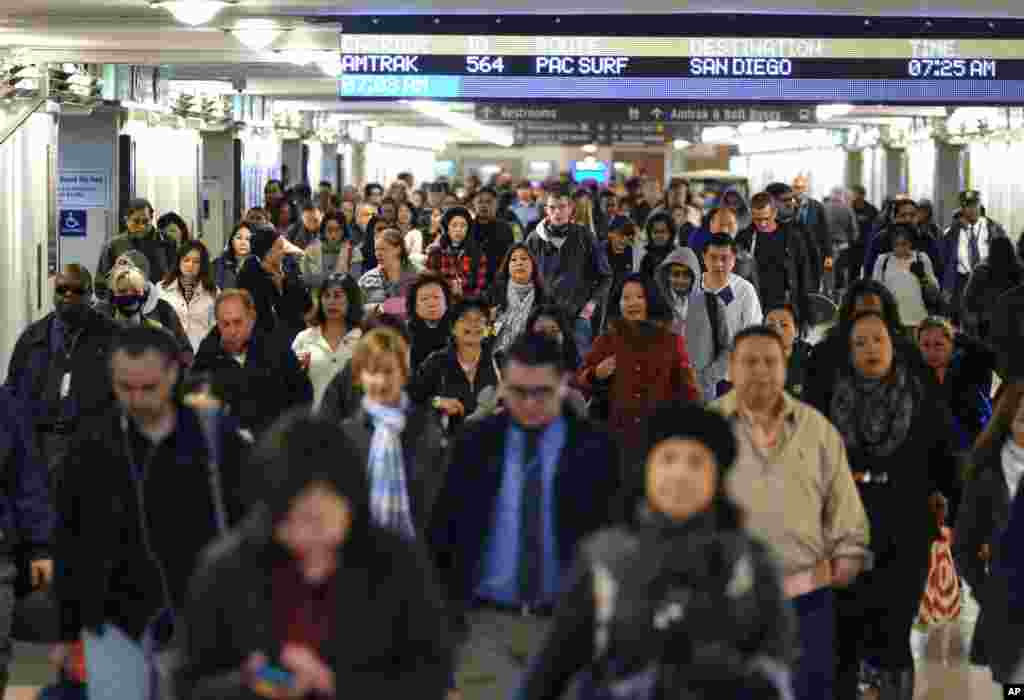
845,570
828,263
41,573
449,407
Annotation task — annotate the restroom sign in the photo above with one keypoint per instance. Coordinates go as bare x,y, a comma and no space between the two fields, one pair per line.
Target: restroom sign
72,222
84,189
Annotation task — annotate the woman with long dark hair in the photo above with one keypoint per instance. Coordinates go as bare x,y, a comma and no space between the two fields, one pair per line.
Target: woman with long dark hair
518,290
639,363
429,307
310,596
891,422
832,352
682,539
324,349
191,291
229,264
457,256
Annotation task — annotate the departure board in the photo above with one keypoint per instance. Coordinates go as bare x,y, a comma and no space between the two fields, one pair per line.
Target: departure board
503,68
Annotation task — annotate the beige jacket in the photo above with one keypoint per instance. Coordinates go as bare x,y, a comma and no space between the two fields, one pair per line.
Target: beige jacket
197,316
800,497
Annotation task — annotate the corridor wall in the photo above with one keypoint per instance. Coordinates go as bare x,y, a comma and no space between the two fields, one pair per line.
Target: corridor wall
921,172
168,168
25,203
995,172
825,168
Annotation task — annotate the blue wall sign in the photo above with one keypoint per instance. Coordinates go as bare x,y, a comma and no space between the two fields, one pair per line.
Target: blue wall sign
72,222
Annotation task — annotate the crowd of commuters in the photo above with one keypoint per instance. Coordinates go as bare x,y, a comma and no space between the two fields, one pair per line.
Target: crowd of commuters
507,440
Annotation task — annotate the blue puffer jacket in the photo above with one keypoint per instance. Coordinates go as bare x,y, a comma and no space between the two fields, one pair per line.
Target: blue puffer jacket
27,515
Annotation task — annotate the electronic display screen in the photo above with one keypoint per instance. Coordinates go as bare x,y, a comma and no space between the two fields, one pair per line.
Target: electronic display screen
453,67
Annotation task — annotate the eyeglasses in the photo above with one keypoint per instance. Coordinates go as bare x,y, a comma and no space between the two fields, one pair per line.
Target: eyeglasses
65,289
527,393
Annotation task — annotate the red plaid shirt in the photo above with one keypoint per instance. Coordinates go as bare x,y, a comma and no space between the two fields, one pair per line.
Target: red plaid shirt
452,266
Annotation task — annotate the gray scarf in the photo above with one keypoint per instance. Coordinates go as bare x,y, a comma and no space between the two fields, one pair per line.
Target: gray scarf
512,321
874,415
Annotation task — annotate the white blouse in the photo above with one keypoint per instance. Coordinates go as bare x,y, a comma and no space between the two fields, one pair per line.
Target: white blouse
324,363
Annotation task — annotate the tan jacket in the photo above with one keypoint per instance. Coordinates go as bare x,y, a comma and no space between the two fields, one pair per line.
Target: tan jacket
800,497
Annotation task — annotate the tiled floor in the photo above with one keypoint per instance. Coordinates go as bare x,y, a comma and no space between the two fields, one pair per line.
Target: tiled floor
958,681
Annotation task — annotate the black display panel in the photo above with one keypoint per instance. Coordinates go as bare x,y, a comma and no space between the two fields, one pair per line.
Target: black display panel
728,69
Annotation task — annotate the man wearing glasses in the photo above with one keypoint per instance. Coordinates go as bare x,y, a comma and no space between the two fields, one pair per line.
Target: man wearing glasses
524,487
56,368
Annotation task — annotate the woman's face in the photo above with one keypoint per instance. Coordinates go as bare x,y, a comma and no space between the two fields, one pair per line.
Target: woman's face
867,302
936,347
902,248
417,199
458,229
334,303
190,264
387,253
385,380
470,328
240,243
1018,425
285,217
634,302
520,266
782,321
404,216
682,478
660,233
138,221
547,326
333,230
435,220
431,304
871,346
316,526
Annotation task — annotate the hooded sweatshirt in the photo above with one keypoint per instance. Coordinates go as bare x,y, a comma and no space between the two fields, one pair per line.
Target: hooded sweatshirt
700,329
154,312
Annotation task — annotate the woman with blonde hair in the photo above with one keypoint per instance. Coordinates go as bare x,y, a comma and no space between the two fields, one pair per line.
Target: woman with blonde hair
136,300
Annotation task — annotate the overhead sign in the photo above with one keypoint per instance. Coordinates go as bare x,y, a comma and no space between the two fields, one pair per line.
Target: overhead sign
73,222
83,189
657,69
649,112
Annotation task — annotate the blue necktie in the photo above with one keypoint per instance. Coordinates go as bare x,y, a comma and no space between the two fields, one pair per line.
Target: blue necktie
727,296
973,252
531,541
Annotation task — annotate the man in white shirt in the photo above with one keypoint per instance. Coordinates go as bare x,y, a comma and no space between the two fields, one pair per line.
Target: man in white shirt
738,296
965,245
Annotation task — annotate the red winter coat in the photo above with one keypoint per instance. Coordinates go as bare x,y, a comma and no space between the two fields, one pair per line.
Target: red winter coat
651,367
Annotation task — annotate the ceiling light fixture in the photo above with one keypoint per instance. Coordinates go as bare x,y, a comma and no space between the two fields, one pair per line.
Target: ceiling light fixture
442,113
681,144
192,12
256,35
590,148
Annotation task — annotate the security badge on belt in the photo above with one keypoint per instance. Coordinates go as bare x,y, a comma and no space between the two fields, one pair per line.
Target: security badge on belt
65,385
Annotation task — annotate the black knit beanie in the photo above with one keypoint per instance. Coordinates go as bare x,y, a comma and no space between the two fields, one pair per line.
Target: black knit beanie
683,420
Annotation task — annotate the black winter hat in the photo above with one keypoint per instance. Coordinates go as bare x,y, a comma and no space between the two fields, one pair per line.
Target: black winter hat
678,419
452,213
262,239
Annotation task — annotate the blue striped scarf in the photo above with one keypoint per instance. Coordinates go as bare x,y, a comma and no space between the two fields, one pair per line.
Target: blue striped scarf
389,497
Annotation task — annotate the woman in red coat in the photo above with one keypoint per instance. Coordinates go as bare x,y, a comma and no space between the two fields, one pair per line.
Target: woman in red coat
638,364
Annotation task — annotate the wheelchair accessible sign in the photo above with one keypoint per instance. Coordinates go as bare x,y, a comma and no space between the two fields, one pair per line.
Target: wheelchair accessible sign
72,222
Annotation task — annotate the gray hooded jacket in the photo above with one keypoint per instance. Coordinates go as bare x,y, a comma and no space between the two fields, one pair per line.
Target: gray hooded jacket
700,332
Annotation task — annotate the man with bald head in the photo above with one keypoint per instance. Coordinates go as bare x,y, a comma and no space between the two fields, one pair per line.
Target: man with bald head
810,214
53,369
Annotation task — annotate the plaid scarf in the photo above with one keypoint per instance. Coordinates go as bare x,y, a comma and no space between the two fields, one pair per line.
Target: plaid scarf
389,497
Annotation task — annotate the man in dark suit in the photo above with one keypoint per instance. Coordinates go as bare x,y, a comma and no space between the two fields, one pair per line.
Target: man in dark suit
523,488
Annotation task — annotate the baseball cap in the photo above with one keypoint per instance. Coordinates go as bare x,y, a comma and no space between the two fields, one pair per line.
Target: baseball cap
970,198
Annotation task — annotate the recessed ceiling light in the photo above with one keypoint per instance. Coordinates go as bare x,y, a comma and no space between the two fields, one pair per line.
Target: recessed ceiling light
192,12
